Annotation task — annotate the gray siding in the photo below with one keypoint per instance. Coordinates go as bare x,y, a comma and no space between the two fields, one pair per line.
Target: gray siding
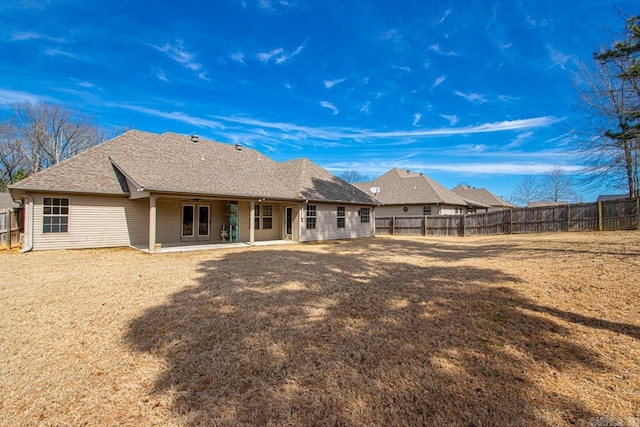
95,221
327,227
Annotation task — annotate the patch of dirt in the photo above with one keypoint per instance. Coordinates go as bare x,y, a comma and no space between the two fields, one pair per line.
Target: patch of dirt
500,330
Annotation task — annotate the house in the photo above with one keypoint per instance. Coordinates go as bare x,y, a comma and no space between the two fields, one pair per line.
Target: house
483,196
144,189
6,202
543,204
611,197
403,192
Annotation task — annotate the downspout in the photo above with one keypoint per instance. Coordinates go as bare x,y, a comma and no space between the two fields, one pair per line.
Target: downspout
30,235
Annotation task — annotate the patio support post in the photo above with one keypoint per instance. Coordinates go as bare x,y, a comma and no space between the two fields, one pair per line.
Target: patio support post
252,222
152,223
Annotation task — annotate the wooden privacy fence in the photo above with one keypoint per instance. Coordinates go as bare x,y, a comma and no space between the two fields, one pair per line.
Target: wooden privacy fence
10,229
623,214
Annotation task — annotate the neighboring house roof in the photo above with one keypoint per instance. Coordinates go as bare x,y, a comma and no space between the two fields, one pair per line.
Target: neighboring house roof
403,187
542,204
175,163
609,197
481,195
7,203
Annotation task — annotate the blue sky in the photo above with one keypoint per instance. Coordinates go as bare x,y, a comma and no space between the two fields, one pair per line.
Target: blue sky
464,91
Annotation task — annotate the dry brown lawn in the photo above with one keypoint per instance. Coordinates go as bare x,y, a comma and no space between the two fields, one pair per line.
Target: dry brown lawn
529,330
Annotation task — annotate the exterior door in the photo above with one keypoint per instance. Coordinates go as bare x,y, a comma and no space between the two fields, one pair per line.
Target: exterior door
196,223
204,222
187,231
288,220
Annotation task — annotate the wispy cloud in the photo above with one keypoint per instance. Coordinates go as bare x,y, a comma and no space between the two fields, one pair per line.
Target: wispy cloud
444,16
472,97
8,97
331,83
508,99
266,56
438,82
237,57
203,76
416,119
365,107
32,35
559,59
64,53
280,55
519,140
437,49
453,119
173,115
180,54
364,134
330,106
403,68
285,57
162,76
391,35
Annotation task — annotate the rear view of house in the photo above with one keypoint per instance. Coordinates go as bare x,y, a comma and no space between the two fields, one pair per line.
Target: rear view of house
143,189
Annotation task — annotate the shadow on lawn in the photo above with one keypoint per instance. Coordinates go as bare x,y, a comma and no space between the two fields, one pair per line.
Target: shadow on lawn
331,338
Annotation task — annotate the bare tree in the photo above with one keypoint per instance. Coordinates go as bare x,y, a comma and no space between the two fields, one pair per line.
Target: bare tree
13,157
556,185
610,94
52,133
354,176
527,190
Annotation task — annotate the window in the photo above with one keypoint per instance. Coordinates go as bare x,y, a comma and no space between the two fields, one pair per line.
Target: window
364,215
55,215
426,210
459,211
311,217
341,218
267,214
256,219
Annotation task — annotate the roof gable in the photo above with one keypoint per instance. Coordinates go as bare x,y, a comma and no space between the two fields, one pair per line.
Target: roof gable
399,187
481,195
312,182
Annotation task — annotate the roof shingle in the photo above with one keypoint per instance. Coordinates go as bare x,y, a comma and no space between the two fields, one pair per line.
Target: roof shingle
175,163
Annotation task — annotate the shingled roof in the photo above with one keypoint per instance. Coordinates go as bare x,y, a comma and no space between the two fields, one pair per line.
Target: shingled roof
401,187
482,195
174,163
6,202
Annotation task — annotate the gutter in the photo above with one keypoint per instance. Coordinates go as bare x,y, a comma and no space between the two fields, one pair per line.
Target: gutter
30,213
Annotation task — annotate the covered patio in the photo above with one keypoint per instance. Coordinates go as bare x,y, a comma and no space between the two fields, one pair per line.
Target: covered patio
199,246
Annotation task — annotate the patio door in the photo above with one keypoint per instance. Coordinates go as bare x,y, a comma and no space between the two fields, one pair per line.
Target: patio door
204,222
288,220
196,223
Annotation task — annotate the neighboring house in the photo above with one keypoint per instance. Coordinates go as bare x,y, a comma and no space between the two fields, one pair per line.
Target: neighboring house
403,192
544,204
6,203
482,195
610,197
143,189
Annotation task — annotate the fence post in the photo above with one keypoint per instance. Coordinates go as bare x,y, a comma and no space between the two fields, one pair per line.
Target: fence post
638,213
393,226
463,221
510,221
599,216
424,226
568,217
